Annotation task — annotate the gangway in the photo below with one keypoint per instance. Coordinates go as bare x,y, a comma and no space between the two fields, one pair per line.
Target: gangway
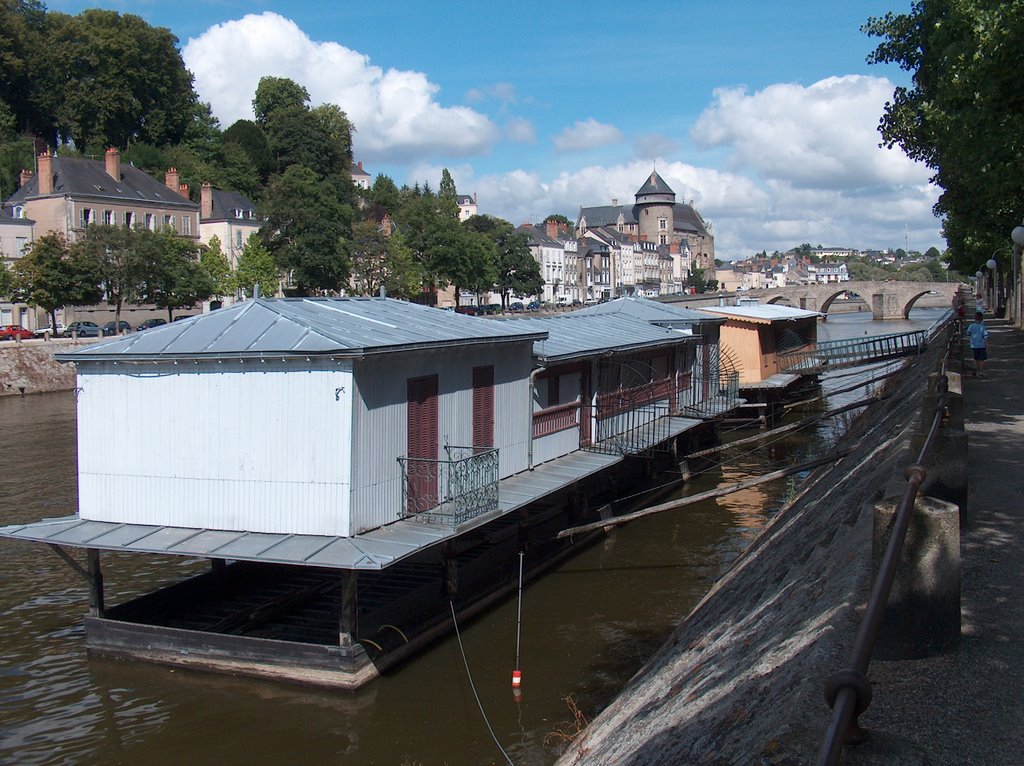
853,352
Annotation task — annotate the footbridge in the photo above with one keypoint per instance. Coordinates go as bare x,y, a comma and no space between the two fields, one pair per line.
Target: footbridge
888,299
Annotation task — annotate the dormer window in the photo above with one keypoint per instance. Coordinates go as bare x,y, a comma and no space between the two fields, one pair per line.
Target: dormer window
238,212
18,212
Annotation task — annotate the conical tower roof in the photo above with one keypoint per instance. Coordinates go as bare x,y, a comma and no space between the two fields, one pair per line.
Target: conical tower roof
654,185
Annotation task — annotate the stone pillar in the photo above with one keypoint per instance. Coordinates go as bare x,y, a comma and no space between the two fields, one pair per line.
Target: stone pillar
886,306
922,617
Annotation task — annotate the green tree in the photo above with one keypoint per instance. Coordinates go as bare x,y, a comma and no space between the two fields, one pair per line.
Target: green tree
171,274
256,267
518,273
6,282
559,219
379,261
697,281
250,137
304,228
274,93
116,80
218,269
961,114
113,252
50,276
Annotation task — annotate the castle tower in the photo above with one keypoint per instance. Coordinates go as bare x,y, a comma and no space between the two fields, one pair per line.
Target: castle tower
654,210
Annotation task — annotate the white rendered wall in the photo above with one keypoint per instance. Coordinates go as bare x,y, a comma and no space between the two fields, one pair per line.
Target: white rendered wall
254,446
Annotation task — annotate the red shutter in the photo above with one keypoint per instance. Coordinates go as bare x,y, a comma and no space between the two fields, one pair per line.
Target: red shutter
483,406
422,426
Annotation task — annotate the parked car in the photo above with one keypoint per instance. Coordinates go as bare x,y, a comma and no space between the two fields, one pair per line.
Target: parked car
182,316
84,330
154,322
470,310
533,306
59,330
517,307
122,326
12,331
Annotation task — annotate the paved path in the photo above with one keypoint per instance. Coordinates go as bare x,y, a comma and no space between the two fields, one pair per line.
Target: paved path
968,707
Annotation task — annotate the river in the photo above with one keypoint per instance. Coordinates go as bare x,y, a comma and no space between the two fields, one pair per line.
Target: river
587,627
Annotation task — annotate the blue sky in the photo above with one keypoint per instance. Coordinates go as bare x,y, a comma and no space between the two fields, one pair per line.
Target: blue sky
762,113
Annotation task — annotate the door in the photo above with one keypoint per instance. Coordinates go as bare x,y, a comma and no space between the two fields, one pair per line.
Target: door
483,408
421,483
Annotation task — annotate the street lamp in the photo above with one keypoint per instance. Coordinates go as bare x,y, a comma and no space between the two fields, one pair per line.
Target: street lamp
1017,235
994,297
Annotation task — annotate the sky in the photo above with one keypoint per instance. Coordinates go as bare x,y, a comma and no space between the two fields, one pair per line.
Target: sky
763,114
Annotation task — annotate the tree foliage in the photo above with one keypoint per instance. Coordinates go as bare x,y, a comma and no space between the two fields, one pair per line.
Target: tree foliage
51,275
961,115
170,275
218,269
256,267
378,261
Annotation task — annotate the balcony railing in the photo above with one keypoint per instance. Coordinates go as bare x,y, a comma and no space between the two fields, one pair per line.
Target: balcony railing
453,490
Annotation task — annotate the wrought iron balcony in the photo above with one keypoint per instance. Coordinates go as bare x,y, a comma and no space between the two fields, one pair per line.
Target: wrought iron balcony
453,490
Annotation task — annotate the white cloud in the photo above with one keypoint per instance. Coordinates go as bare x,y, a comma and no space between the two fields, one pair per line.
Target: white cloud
652,146
505,92
396,114
824,136
520,131
586,134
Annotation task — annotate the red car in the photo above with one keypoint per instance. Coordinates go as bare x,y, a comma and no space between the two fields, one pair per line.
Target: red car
12,331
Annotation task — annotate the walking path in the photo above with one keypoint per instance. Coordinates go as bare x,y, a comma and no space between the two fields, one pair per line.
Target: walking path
967,707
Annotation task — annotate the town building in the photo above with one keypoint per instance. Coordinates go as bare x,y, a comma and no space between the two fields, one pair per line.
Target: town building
359,176
229,216
656,217
16,236
467,206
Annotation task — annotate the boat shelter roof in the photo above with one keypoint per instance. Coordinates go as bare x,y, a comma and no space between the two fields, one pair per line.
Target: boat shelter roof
336,327
653,312
374,550
577,335
762,313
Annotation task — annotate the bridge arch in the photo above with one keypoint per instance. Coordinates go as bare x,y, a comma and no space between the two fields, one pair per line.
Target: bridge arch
912,300
825,304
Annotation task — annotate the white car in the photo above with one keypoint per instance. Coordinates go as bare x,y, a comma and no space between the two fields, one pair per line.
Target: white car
43,331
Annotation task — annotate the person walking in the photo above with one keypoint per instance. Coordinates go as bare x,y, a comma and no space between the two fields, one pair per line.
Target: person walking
978,334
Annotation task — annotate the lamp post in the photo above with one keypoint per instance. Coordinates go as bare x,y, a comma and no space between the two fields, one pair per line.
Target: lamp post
1017,235
979,290
995,299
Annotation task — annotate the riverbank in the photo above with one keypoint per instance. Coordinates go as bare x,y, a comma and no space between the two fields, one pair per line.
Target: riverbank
741,679
28,367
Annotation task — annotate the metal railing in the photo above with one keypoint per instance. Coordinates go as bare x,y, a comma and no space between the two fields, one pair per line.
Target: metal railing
450,491
836,354
628,428
848,692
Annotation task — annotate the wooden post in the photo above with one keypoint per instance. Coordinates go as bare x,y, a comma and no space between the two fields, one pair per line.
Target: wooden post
95,583
347,626
451,570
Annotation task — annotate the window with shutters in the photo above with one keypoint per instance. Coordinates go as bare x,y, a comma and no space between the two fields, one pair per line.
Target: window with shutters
422,426
483,407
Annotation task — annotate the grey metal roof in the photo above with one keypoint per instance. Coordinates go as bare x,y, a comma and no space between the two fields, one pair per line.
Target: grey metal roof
373,550
650,311
655,184
575,335
80,177
304,326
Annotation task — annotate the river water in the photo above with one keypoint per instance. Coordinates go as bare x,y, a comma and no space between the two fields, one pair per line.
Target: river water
587,627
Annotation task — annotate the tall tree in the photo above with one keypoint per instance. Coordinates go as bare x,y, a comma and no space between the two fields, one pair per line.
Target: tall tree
50,276
256,267
273,93
218,269
113,252
378,261
961,115
304,228
518,273
171,275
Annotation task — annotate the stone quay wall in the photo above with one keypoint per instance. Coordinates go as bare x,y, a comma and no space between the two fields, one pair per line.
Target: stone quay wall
28,367
741,679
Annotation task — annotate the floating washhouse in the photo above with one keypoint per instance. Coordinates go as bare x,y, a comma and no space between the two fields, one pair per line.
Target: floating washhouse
351,465
753,337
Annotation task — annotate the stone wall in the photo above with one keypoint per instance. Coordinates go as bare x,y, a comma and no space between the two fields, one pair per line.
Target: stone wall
741,679
29,367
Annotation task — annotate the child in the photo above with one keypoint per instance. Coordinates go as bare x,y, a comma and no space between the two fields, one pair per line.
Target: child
977,332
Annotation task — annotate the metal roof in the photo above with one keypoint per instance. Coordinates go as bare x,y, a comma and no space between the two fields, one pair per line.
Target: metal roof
574,335
650,311
305,326
373,550
763,312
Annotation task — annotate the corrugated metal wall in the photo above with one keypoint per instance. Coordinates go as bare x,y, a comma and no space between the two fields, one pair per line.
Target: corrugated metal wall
381,428
255,446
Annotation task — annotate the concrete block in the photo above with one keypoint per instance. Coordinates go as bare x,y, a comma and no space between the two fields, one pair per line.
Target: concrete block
922,617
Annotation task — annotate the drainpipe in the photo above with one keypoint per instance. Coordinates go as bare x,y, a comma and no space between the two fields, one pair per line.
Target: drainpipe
529,410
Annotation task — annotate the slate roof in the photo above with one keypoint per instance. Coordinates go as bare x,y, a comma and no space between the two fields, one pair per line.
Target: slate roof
7,219
684,217
341,327
655,185
576,335
225,203
84,178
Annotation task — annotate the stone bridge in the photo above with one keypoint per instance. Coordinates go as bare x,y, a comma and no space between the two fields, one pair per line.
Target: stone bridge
888,300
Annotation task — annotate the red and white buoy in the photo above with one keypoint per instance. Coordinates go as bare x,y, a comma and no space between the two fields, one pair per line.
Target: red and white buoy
517,674
517,679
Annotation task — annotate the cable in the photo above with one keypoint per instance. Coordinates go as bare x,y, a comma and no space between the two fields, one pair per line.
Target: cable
472,686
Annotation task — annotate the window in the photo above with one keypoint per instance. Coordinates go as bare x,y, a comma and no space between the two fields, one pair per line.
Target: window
88,216
108,217
483,407
663,239
238,212
238,239
150,221
20,243
662,223
168,220
186,224
19,211
128,219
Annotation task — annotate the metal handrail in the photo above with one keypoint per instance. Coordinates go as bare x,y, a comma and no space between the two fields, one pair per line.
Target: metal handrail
848,692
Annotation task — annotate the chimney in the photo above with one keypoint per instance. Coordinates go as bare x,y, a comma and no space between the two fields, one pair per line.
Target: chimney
673,248
205,202
45,173
183,190
112,160
615,202
360,166
552,227
26,176
171,179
